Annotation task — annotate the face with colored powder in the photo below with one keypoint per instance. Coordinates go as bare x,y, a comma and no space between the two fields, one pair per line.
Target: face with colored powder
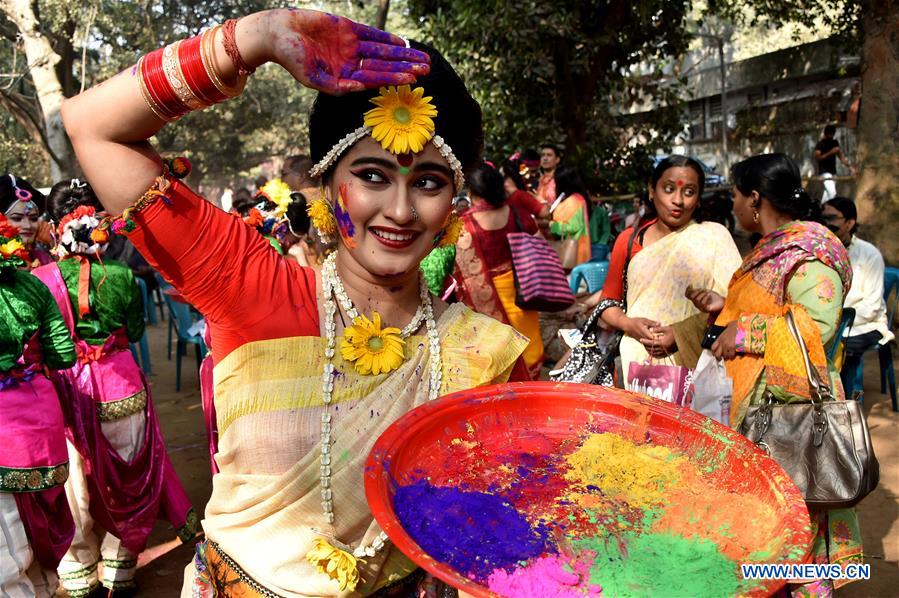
24,215
390,208
676,196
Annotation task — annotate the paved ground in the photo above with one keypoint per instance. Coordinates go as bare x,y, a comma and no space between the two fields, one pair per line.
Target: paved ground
180,414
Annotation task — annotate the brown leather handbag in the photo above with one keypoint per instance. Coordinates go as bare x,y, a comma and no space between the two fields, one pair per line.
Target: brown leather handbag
823,444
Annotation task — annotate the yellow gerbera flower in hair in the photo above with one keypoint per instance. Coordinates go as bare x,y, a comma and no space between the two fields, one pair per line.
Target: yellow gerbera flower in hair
370,349
403,120
337,564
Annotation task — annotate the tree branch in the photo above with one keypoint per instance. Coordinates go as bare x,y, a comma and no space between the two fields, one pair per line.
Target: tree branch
28,114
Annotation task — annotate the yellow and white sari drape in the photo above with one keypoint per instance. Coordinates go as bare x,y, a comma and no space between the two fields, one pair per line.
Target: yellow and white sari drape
265,511
699,255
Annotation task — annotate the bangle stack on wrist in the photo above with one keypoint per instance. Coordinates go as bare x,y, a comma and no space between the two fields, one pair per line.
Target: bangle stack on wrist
183,77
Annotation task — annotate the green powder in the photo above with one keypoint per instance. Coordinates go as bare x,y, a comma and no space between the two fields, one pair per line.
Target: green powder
660,565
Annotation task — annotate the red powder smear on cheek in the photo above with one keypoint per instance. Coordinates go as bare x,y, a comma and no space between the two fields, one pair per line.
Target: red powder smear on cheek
344,223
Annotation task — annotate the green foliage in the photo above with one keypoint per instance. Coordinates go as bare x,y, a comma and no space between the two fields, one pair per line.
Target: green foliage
567,72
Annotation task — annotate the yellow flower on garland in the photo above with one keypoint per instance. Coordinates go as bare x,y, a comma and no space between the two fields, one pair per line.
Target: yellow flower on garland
403,120
10,247
322,218
337,564
370,349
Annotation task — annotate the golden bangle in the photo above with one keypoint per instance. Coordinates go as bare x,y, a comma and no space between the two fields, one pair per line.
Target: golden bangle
173,74
207,55
148,99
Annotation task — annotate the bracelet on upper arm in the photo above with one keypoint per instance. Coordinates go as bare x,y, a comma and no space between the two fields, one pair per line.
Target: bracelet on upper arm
182,77
176,168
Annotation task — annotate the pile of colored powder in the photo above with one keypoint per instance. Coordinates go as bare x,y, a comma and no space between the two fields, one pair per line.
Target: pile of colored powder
641,474
475,532
660,565
548,577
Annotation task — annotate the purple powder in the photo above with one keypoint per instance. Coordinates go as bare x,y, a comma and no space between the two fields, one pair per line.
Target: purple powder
474,532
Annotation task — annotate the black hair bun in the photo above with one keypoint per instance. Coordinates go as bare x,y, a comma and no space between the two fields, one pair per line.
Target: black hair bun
66,195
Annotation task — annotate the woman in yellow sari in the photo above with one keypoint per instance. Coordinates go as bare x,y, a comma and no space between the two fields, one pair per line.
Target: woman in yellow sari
570,218
667,256
800,266
310,365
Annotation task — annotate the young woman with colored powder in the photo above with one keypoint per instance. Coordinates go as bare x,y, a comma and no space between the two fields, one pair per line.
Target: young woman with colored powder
310,366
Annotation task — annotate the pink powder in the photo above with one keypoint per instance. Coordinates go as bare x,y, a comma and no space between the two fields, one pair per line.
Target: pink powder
547,576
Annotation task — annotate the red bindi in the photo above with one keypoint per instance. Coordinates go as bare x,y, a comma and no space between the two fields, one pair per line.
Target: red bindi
405,160
680,183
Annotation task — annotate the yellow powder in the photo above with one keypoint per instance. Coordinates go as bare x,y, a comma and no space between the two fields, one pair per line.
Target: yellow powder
641,475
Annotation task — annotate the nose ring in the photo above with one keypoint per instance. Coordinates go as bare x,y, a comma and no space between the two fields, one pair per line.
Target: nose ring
415,215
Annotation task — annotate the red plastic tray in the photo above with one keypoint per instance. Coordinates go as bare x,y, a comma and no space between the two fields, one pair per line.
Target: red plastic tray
534,417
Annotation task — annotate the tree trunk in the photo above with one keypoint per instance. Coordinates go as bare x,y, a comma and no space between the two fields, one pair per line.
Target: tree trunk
42,61
381,18
878,128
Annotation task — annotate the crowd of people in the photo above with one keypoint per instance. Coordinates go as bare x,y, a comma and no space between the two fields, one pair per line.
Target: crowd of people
345,293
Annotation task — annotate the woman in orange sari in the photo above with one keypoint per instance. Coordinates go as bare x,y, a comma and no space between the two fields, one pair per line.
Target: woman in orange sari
484,260
798,266
571,216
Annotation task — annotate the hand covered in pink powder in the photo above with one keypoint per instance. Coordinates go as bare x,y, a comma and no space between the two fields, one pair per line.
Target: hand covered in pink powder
336,55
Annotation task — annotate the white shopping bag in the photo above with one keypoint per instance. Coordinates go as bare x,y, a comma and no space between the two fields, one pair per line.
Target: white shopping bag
712,388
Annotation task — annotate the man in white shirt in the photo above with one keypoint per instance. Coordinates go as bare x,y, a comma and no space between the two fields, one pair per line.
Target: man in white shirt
870,327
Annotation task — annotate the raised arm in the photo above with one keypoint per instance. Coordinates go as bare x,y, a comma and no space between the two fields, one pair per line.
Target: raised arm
322,51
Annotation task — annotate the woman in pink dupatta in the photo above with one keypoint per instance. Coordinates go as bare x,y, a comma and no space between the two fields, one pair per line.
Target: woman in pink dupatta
35,521
121,477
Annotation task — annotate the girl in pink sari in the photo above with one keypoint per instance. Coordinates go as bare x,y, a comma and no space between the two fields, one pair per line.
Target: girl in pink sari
121,478
35,522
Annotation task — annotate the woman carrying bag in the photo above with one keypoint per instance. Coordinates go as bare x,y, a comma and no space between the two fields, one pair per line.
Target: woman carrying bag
798,271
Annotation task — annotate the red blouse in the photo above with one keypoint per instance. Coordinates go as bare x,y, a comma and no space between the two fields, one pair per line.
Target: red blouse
227,271
493,243
614,286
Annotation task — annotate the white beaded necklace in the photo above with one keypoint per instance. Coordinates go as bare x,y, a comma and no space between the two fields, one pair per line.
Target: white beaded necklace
333,286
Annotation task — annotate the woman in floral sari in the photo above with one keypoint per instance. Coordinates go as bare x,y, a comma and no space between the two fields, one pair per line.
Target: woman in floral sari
311,366
484,260
798,266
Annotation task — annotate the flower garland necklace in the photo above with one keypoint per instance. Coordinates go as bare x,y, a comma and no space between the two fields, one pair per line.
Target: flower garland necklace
337,562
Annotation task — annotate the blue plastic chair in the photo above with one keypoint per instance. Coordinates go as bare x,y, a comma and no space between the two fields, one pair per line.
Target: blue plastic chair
182,318
161,286
884,352
845,321
144,359
593,273
599,252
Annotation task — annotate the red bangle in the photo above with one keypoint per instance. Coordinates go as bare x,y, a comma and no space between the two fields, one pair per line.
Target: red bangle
195,75
231,49
158,87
